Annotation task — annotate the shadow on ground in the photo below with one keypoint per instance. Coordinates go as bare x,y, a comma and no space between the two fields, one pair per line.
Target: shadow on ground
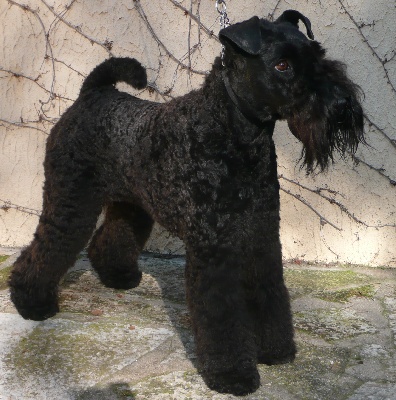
137,344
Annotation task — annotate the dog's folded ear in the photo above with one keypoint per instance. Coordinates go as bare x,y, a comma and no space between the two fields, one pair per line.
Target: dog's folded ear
293,16
244,35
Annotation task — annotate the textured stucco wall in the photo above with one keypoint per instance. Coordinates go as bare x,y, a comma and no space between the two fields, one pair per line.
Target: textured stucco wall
48,46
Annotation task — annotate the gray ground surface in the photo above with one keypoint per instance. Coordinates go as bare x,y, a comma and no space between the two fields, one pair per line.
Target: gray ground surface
136,344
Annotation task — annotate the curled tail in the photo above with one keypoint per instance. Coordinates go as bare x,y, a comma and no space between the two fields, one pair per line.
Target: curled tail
116,70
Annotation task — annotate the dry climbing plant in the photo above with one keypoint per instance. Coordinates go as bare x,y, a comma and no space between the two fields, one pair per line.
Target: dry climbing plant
47,20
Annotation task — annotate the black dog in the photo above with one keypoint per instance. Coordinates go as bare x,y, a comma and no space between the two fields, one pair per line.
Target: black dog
203,166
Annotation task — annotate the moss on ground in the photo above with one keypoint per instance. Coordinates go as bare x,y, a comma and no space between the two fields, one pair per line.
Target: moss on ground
3,258
333,324
119,391
344,295
75,352
124,393
4,275
322,280
314,374
332,285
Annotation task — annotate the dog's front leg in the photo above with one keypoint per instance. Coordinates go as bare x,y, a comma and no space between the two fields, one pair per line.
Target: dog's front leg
266,294
223,328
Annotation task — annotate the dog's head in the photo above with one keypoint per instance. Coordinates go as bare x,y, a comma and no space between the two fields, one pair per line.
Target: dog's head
278,72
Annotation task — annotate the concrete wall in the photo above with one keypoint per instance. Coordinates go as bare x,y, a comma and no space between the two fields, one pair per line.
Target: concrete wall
48,46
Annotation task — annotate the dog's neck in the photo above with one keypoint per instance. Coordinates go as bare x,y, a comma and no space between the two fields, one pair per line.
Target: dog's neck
240,118
242,106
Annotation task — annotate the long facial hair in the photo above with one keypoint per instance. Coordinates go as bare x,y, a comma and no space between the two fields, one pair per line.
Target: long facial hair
331,120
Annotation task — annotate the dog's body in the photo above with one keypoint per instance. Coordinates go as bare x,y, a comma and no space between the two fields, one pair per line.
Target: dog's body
204,167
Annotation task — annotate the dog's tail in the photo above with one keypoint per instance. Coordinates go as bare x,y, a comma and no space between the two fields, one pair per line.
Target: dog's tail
116,70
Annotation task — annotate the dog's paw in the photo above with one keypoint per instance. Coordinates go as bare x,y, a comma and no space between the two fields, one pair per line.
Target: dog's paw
124,281
238,381
277,358
36,304
37,313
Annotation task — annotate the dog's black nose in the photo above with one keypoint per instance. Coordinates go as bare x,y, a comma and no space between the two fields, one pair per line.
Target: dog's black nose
342,103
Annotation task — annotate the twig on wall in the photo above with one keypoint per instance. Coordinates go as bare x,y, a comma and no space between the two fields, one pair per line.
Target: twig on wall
143,15
307,204
26,8
375,54
338,204
78,29
7,205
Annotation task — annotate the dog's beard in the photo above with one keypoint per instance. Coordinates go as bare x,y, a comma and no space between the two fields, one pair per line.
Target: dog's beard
329,124
323,136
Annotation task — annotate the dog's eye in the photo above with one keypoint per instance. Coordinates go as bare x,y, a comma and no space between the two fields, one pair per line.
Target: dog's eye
282,66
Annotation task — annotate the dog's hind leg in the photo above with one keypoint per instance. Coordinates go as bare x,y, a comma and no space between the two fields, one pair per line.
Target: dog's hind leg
116,245
70,212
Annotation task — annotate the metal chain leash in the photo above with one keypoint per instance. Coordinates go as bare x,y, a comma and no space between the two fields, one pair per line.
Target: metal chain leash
221,8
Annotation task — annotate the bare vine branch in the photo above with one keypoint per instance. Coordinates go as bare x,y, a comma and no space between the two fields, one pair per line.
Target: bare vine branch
379,170
195,18
78,29
375,54
301,199
23,125
272,14
381,131
26,8
143,15
26,210
339,205
52,95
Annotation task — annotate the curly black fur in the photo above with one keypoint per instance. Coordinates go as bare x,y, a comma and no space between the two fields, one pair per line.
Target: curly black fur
203,166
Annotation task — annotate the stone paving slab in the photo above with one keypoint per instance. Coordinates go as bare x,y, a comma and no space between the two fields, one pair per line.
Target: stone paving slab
111,344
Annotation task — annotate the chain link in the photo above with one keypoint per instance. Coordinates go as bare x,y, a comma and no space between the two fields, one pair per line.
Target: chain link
221,8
